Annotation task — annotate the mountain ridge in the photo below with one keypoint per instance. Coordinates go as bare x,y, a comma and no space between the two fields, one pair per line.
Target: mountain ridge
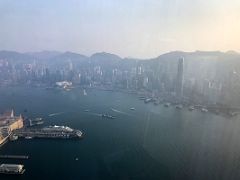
108,57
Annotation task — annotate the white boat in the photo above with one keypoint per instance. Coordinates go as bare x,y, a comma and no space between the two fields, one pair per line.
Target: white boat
132,108
191,108
28,137
167,104
84,92
13,138
204,110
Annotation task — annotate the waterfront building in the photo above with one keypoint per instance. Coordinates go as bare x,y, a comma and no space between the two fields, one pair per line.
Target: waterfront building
8,123
4,133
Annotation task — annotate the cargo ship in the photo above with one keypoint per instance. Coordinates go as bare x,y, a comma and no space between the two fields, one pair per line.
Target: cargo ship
12,169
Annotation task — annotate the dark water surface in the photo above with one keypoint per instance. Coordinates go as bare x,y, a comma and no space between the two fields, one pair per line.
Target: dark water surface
152,142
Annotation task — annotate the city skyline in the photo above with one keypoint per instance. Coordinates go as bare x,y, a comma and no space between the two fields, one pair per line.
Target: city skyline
141,29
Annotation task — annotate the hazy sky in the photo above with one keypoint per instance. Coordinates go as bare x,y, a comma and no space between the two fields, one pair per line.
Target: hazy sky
136,28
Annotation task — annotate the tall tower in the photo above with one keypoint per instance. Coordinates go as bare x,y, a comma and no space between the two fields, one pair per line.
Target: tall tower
12,114
70,65
179,83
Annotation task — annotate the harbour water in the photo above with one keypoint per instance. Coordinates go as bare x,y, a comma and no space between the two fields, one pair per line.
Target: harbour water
152,142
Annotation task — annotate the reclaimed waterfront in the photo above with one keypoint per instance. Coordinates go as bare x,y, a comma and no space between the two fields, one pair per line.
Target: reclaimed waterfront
151,142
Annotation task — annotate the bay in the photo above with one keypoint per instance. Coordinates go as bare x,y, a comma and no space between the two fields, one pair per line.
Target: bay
152,142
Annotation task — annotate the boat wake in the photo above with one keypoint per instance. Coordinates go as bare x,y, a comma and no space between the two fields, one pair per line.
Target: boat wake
120,112
92,113
55,114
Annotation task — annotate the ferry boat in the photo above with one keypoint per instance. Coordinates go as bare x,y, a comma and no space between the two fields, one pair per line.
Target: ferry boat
148,100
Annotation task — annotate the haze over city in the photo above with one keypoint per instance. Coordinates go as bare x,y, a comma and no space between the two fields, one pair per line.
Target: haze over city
120,89
139,28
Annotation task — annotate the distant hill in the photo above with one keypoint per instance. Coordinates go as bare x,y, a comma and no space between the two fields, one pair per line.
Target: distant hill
14,56
104,59
69,56
42,55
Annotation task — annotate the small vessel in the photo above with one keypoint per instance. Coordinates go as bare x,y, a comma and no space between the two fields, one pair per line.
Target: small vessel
76,159
167,104
84,92
132,108
179,106
191,108
233,114
36,121
28,137
148,100
13,138
142,98
204,110
108,116
157,102
217,112
86,110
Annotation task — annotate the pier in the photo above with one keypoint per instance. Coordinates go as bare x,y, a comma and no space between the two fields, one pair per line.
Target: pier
13,157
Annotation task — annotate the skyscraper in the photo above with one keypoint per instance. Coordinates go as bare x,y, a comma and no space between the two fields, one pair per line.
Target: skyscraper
179,83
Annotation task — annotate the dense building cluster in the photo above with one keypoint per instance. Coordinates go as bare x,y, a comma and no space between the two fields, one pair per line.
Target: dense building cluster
200,77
